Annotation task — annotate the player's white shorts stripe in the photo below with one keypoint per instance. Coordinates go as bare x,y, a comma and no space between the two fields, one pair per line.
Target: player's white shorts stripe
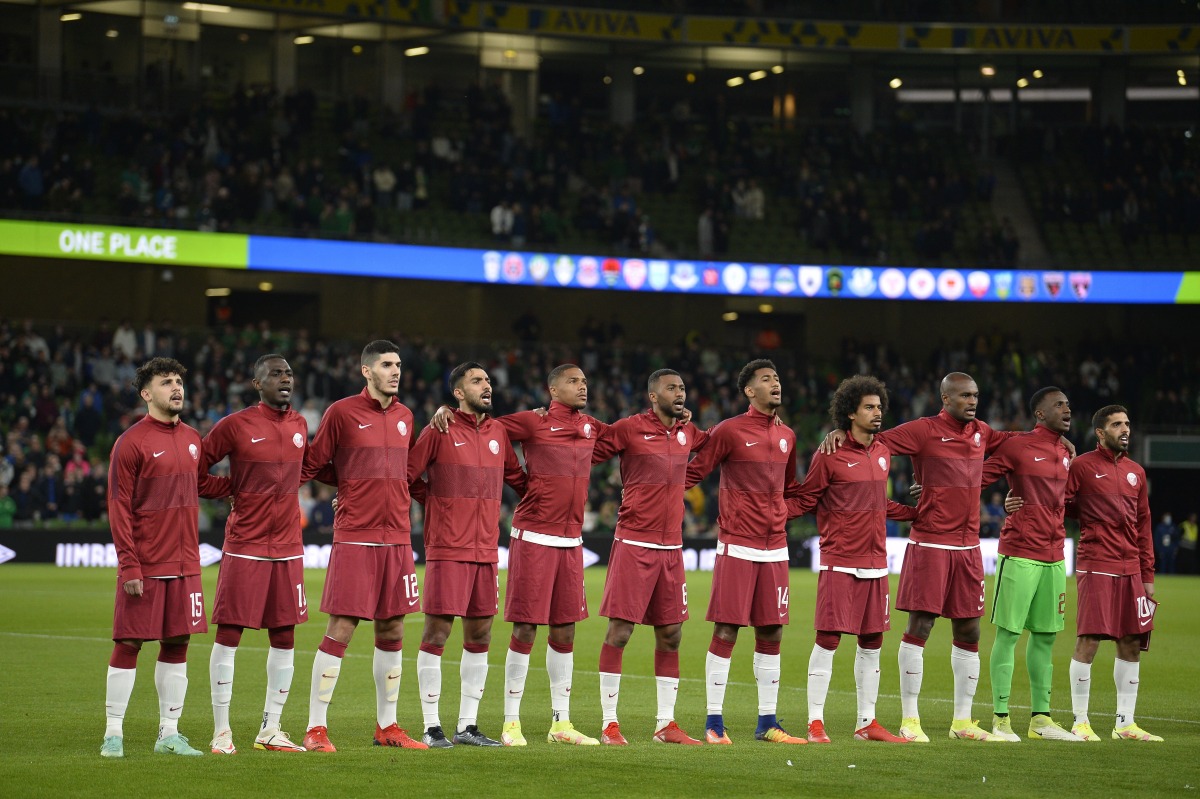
742,552
546,540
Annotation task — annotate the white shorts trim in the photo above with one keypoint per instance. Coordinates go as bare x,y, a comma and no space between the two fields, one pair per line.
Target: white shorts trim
941,546
556,541
645,545
273,560
742,552
862,574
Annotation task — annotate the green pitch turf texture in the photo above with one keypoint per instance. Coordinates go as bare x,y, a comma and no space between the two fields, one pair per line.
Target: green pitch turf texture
54,646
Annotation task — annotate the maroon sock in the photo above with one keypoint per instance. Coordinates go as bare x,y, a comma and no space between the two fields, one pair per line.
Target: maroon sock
720,647
332,646
124,656
666,664
610,659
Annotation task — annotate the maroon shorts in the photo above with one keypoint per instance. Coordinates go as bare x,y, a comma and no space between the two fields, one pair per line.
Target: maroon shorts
166,609
644,585
371,582
469,590
848,604
749,593
1113,607
545,584
260,594
945,582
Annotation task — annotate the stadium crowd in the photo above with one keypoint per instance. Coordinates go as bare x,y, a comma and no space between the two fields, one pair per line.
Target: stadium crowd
65,394
262,160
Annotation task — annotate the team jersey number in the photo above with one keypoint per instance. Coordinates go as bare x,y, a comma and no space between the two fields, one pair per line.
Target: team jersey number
1062,604
197,605
982,594
410,587
683,590
301,599
781,597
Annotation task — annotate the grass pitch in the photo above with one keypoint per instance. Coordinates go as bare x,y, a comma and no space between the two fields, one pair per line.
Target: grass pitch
54,645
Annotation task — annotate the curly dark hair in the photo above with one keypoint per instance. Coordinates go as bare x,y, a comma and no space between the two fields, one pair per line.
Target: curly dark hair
747,373
849,396
156,367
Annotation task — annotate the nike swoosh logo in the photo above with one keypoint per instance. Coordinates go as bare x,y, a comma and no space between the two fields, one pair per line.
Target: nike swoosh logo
164,452
414,601
256,440
718,683
173,710
556,429
852,465
197,621
1038,460
774,682
283,690
363,426
568,690
1098,476
1133,682
460,443
393,676
515,693
1004,698
649,437
969,677
751,443
224,682
1085,679
947,439
913,673
1144,623
610,696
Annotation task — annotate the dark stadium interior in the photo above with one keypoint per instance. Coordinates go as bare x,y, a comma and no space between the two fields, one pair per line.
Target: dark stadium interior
112,113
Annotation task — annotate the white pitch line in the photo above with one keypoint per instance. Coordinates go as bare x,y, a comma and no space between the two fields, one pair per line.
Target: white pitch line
789,688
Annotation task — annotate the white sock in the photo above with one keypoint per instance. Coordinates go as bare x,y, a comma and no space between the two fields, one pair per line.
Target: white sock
171,681
560,665
387,667
118,689
1125,675
516,669
866,683
668,691
280,669
965,666
472,674
325,671
220,679
912,668
1081,690
429,682
610,687
820,670
716,678
766,674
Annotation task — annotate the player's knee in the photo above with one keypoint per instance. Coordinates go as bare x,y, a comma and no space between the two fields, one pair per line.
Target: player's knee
525,633
669,638
282,637
563,634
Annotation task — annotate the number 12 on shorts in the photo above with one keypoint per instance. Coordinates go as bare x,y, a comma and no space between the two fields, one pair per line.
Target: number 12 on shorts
410,587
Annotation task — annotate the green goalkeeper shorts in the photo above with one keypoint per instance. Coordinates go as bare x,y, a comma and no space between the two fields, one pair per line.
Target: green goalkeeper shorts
1030,595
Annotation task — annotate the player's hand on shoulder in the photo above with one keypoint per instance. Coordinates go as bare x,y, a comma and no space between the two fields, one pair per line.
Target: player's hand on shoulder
1066,442
442,418
541,411
687,416
832,441
1013,503
133,587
